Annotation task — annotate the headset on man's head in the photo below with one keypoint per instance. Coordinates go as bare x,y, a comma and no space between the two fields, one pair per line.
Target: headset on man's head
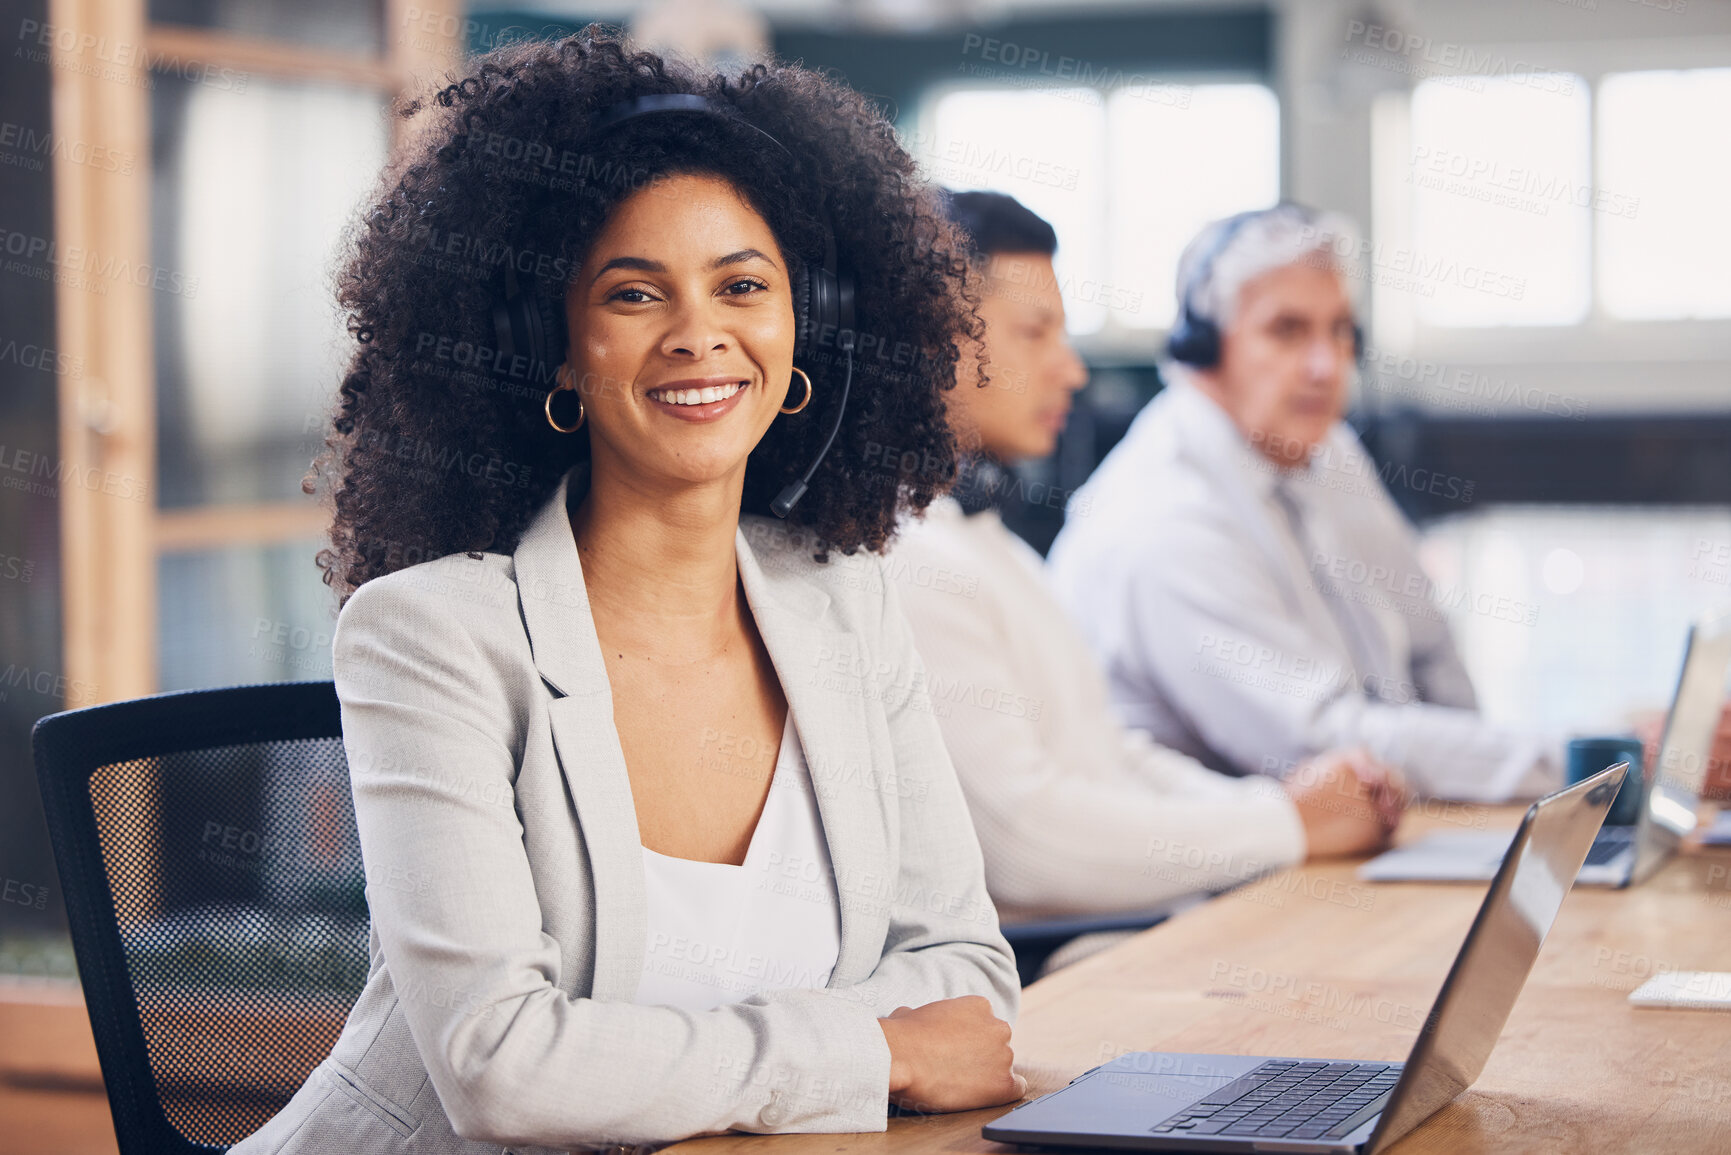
531,325
1195,340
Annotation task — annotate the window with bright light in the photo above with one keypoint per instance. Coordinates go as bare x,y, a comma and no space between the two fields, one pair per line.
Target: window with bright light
1125,175
1501,186
1044,147
1664,234
1174,169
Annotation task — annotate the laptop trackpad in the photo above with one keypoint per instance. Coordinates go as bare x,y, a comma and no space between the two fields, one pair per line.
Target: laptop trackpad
1128,1095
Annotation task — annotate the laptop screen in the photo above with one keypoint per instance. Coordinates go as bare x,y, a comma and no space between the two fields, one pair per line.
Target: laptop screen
1674,790
1499,951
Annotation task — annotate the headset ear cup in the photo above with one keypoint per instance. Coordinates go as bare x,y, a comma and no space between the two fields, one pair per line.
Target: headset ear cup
547,351
1194,342
503,335
523,322
845,318
1208,345
802,326
822,311
531,326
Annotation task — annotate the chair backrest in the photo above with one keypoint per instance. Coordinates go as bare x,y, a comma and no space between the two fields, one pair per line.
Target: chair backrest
1037,940
207,851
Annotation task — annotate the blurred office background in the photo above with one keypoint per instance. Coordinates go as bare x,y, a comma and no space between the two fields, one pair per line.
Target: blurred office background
1540,184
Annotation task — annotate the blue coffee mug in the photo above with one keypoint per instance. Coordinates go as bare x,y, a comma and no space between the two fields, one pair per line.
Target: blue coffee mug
1588,756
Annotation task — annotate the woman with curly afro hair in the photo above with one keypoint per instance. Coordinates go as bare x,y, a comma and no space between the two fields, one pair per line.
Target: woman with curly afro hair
660,835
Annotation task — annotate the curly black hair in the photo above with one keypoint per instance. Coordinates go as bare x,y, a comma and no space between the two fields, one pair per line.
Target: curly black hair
439,445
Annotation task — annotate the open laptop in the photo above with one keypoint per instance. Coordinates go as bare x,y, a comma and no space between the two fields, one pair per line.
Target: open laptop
1621,855
1174,1102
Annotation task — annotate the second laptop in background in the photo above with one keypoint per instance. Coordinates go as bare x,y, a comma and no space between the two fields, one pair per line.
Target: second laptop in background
1621,855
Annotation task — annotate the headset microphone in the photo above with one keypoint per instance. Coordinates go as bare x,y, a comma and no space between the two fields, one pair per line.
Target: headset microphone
795,490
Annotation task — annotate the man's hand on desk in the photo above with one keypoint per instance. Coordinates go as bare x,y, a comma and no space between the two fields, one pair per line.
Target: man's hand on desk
1719,761
1348,801
1650,725
951,1055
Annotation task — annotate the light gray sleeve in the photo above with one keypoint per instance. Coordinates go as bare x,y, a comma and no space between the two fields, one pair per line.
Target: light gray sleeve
1437,670
1210,622
1075,839
943,940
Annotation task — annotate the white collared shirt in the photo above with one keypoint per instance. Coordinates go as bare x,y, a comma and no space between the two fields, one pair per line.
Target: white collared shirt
1076,814
1254,617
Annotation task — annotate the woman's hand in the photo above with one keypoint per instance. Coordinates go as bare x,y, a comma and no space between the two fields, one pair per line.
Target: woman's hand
951,1055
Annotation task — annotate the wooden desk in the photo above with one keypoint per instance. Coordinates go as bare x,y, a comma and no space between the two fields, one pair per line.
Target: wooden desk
1312,962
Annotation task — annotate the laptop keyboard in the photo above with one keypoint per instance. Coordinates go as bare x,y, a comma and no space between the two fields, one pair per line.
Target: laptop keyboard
1286,1098
1610,842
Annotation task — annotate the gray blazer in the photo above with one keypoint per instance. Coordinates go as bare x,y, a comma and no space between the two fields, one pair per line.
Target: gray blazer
505,877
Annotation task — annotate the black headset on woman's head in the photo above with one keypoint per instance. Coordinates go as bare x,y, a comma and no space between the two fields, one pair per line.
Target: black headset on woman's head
528,324
1195,339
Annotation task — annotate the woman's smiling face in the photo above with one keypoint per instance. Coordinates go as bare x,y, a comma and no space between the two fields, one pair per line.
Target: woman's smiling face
682,331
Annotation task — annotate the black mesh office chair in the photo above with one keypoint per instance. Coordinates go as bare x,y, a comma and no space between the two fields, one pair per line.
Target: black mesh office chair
1035,942
207,850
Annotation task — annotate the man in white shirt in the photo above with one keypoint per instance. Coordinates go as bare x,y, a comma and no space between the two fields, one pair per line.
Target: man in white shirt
1236,562
1075,813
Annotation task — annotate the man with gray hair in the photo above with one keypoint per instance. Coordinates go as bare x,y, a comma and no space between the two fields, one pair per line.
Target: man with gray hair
1238,565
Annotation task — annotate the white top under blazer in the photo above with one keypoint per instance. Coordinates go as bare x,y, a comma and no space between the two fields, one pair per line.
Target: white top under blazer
720,933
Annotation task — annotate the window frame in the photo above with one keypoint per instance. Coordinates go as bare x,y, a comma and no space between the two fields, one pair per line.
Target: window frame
1115,341
111,544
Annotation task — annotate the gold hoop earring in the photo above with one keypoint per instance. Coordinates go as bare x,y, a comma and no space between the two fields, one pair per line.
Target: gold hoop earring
547,408
806,400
